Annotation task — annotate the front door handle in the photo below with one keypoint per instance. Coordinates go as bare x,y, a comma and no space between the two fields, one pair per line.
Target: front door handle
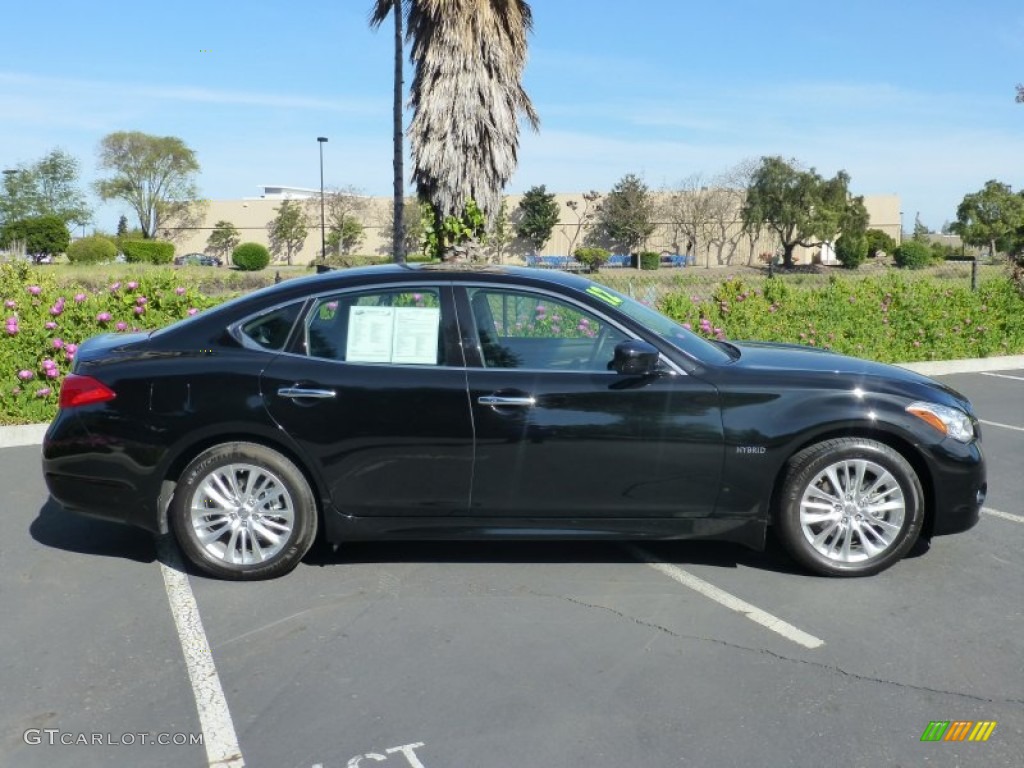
301,392
504,402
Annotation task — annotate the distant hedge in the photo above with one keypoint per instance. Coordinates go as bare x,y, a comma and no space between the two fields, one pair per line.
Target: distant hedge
92,250
250,257
147,251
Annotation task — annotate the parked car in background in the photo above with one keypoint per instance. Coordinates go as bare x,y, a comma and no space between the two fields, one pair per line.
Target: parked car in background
438,402
197,260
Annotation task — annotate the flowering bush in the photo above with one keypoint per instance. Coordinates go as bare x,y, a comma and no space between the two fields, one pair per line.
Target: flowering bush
890,319
45,323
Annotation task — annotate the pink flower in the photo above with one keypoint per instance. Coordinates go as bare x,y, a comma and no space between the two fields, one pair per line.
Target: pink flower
11,304
180,291
72,348
79,298
192,311
69,356
687,326
139,310
115,287
141,300
52,373
48,363
50,325
35,290
103,317
25,375
44,392
122,326
132,285
58,343
56,310
12,329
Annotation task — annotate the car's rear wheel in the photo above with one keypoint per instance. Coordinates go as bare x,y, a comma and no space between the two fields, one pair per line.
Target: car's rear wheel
243,511
850,507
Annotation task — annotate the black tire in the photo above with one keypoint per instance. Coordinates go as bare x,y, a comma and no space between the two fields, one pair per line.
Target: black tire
255,507
856,535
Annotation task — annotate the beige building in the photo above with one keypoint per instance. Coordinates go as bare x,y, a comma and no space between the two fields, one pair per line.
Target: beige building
722,243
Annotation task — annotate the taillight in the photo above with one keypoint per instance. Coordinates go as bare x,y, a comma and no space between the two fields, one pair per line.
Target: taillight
78,390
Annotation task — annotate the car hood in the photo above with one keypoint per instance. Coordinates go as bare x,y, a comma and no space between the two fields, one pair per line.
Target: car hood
796,358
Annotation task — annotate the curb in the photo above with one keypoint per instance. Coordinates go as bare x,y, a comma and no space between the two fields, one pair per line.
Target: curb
32,434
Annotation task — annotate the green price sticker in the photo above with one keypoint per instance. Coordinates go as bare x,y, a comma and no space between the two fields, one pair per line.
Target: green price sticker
603,295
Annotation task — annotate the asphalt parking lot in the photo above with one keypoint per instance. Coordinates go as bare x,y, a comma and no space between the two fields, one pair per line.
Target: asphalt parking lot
495,654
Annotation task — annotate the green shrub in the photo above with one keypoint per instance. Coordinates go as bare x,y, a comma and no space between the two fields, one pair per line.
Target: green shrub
650,260
892,318
945,251
879,242
852,249
92,250
592,258
250,257
147,251
913,254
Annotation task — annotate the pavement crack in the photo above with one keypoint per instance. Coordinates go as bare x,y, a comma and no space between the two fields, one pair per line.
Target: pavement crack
833,668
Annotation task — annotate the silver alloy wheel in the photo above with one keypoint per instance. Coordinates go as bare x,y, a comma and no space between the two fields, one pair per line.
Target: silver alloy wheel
242,514
852,510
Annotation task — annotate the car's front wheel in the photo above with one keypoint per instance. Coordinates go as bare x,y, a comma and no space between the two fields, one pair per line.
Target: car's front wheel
850,507
243,511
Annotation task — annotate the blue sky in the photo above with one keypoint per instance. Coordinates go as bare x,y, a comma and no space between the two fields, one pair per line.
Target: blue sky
910,98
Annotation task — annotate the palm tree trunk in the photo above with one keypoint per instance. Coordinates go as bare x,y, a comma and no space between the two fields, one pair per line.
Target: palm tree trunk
398,235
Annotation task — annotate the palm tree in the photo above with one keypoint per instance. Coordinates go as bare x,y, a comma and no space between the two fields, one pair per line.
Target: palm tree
467,96
381,9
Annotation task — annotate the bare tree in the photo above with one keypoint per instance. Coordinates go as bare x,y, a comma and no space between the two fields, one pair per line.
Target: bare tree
689,213
584,214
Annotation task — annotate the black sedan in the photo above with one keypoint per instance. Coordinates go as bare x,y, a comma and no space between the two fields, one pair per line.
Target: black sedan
466,403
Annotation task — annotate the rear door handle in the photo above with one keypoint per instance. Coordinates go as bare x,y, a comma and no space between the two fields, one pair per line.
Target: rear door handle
297,392
505,402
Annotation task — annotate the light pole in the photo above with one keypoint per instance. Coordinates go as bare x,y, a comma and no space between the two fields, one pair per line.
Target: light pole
321,140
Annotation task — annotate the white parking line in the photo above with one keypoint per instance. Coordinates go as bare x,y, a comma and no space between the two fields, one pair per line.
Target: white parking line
731,602
222,750
1003,426
1005,515
1004,376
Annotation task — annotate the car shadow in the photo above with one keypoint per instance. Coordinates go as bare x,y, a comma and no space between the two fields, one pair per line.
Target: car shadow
58,528
715,554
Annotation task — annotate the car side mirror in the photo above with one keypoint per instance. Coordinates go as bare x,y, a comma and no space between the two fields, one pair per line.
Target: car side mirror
635,358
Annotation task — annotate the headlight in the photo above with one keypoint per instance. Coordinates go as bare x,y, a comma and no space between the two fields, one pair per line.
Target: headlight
949,421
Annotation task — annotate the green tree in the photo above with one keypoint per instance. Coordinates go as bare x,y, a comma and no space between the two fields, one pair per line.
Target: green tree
989,216
921,230
342,239
40,236
500,235
801,207
626,216
223,239
122,226
48,187
399,241
287,230
538,214
466,97
155,175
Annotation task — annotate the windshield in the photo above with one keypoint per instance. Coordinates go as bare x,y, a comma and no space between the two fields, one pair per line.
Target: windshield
668,329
